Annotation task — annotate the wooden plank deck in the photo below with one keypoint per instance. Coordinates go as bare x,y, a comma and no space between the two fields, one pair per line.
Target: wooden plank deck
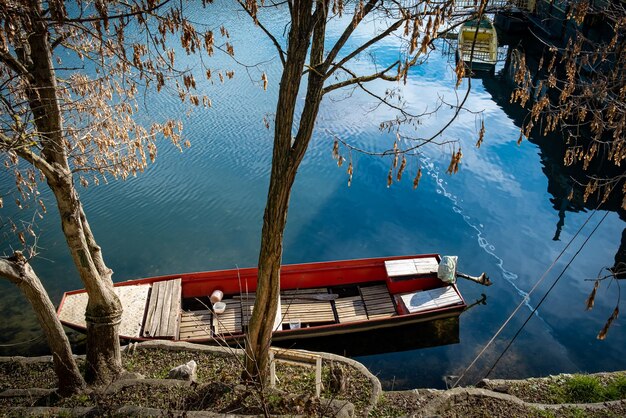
163,313
350,309
378,302
294,308
133,299
307,311
195,324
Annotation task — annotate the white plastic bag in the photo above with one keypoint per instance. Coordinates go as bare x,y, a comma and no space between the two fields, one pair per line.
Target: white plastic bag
447,269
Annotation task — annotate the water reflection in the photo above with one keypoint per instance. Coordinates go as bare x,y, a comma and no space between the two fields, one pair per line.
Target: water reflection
565,183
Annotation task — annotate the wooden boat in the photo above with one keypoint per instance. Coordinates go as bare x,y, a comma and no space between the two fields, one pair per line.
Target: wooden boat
483,53
317,300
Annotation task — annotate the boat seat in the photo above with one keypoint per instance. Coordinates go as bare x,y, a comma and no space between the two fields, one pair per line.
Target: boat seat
195,324
228,322
378,302
163,313
429,299
350,309
411,266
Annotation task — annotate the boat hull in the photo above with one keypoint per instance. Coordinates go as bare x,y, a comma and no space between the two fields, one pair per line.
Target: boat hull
337,277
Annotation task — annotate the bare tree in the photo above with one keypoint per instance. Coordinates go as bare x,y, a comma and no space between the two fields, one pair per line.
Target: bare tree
69,81
325,64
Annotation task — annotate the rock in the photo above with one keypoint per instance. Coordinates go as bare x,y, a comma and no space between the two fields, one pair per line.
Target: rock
184,372
501,388
337,408
485,383
126,375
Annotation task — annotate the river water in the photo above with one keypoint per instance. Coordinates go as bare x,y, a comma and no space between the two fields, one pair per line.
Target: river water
202,210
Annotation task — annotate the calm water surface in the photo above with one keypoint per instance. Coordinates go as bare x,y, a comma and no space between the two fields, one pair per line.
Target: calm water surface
202,210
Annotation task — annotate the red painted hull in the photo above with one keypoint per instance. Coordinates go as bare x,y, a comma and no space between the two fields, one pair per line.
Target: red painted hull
309,275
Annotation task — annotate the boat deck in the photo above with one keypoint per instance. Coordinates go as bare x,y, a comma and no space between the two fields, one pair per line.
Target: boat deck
299,308
373,301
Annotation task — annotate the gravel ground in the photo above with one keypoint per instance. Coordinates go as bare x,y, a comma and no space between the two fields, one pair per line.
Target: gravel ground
217,388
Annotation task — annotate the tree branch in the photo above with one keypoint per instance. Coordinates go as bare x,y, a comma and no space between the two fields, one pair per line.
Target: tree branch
281,53
14,64
24,151
9,270
110,17
347,33
363,47
60,40
363,79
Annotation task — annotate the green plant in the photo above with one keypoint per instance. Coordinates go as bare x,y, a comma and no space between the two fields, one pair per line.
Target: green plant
583,389
384,408
616,389
576,413
542,413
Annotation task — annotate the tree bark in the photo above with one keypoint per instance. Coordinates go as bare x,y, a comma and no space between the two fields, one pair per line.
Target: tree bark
287,156
17,270
104,309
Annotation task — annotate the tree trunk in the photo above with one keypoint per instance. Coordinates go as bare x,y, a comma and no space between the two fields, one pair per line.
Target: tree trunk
287,156
104,309
18,271
261,325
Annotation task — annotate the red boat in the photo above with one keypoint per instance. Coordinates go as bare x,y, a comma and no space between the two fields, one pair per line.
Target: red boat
316,299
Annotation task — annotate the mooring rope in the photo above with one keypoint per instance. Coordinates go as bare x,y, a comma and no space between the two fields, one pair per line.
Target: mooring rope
545,296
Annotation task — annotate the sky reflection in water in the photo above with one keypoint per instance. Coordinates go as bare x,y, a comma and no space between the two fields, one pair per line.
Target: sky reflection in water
202,210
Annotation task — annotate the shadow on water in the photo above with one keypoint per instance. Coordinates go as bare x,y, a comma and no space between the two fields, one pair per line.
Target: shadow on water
391,340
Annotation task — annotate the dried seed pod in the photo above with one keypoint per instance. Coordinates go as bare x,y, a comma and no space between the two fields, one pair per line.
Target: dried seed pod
605,329
453,168
350,174
336,149
416,180
401,169
481,134
592,296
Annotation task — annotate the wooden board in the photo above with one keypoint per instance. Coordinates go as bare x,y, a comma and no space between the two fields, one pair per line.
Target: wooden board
293,294
412,266
228,322
350,309
195,324
430,299
307,311
162,316
378,302
133,299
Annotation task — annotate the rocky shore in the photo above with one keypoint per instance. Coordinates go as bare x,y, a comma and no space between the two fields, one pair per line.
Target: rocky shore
151,388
